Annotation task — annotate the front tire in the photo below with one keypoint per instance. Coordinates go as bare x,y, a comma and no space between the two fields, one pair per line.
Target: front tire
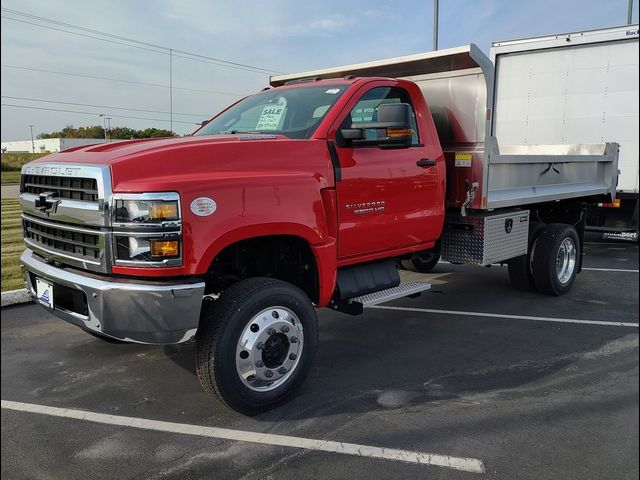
556,259
256,344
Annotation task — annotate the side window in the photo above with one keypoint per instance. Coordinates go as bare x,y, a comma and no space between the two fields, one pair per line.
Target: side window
365,111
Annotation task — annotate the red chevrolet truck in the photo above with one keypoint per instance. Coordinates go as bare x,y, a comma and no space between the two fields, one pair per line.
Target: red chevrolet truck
310,194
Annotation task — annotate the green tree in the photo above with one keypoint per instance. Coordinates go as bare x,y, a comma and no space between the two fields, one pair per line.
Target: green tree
116,133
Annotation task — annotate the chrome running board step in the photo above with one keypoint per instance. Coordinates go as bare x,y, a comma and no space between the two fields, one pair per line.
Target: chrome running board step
355,305
404,290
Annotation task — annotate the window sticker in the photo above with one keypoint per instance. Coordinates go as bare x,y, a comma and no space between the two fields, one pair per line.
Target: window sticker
320,111
271,117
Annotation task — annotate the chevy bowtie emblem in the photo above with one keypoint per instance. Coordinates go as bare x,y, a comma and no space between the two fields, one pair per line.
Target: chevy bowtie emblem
47,202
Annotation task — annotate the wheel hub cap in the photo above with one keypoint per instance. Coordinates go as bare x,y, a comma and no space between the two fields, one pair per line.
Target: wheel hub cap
269,348
566,260
275,350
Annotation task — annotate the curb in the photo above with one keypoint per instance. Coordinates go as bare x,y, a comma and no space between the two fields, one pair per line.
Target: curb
15,297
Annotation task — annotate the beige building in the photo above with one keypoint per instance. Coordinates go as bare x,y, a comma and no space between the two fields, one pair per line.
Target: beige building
50,145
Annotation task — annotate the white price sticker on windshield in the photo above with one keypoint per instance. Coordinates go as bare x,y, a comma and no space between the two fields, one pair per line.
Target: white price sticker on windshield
271,117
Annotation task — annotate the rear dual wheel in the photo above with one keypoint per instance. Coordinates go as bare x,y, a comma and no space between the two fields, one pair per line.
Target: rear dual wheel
551,265
556,258
256,344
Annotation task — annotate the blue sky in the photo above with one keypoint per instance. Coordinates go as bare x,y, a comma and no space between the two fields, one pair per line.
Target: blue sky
280,35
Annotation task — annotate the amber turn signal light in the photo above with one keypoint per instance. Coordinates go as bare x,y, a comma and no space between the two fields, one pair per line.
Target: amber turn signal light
164,248
399,133
163,211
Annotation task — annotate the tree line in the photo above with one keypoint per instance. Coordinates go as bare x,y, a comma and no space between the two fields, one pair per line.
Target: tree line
97,131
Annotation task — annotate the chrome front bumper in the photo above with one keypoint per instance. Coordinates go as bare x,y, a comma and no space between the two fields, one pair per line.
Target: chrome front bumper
154,312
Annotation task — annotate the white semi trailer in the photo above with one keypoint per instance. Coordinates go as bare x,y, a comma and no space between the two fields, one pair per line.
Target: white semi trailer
559,89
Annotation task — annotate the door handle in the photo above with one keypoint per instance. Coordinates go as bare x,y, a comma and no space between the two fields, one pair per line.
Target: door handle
425,162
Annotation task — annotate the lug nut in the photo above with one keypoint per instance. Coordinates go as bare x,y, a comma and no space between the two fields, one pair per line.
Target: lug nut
268,374
293,339
259,346
282,370
284,329
292,356
271,331
259,364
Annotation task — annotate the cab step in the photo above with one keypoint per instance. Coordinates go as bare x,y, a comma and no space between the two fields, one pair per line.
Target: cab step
355,305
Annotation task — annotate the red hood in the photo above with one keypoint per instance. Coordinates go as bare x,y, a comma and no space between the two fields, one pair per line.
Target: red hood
163,164
121,150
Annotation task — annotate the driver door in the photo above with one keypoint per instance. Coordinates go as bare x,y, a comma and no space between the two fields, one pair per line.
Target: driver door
386,201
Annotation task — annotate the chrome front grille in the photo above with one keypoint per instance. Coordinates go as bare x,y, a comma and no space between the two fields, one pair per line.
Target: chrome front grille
79,243
66,193
65,213
73,188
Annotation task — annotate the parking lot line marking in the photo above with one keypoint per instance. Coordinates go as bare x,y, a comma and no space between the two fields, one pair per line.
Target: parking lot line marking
504,315
611,270
457,463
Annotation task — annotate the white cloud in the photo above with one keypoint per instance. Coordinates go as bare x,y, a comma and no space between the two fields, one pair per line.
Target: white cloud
332,23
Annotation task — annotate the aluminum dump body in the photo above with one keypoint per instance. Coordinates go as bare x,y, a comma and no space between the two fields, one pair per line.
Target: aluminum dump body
474,102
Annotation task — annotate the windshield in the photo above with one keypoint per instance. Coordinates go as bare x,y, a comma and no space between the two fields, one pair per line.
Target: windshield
295,112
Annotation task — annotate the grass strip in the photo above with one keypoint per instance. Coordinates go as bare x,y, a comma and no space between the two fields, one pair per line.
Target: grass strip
12,244
10,178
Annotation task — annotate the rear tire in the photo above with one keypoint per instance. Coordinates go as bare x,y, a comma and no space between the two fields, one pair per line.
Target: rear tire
422,262
256,344
556,259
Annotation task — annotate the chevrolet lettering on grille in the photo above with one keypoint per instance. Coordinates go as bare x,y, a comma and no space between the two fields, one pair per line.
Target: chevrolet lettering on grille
52,170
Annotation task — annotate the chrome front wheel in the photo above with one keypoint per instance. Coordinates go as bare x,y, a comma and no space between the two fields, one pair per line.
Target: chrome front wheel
255,343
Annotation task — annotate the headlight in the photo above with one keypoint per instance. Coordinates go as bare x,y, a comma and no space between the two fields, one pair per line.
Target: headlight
147,229
146,211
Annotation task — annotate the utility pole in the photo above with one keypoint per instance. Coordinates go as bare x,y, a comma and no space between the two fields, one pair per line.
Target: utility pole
109,122
33,147
435,25
171,90
104,122
629,12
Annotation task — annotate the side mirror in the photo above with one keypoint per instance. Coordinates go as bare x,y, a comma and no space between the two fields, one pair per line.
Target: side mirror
393,115
352,133
392,127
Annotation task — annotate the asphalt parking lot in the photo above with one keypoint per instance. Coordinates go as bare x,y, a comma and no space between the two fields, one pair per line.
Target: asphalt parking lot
472,380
